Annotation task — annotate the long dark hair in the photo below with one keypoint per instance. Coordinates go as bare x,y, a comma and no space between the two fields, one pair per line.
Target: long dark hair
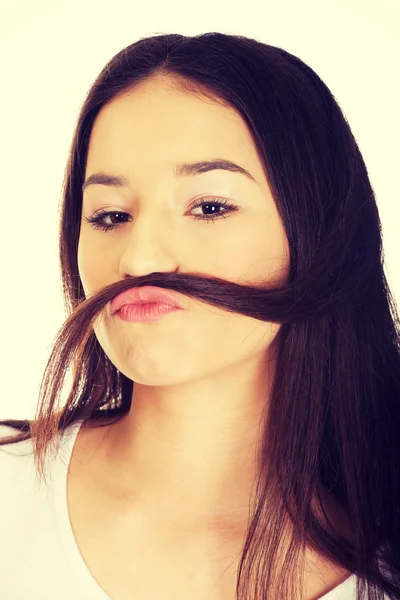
334,416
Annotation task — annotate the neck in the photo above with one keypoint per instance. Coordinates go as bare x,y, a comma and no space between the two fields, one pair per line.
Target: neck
188,454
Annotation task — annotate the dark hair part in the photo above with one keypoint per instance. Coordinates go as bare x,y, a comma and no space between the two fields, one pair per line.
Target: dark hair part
334,416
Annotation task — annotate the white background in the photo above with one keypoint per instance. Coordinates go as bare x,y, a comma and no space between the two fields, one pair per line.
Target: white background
51,52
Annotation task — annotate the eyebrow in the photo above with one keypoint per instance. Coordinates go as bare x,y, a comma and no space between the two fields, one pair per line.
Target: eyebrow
180,170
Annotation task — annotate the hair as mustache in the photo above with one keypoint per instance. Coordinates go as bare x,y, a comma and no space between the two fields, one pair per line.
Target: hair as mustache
267,302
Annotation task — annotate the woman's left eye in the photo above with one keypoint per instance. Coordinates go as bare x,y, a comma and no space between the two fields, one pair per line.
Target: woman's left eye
97,222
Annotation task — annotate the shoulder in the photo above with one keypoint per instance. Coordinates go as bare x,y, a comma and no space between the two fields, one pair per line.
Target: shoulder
15,459
15,448
16,476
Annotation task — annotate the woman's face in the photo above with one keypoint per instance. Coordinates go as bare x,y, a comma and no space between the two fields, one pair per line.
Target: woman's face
142,136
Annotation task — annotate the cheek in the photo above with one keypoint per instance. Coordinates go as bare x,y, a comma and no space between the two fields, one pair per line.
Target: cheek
90,267
253,258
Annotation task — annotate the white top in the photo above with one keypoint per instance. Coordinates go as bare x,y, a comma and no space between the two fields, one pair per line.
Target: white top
40,559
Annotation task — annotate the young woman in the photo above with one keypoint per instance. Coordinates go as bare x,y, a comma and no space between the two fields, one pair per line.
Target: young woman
232,428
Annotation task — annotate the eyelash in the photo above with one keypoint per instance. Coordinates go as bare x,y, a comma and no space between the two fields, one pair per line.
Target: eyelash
96,224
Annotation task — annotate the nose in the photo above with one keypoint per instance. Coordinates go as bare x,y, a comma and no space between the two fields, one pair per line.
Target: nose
149,248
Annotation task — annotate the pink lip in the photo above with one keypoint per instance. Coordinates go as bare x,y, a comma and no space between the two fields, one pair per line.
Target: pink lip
145,295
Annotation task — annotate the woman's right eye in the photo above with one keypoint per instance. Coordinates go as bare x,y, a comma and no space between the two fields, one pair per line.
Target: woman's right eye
96,221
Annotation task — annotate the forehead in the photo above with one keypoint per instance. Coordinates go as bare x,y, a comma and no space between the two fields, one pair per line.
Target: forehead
157,124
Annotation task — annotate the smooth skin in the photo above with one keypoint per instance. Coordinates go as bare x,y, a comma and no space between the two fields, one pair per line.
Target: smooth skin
173,478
